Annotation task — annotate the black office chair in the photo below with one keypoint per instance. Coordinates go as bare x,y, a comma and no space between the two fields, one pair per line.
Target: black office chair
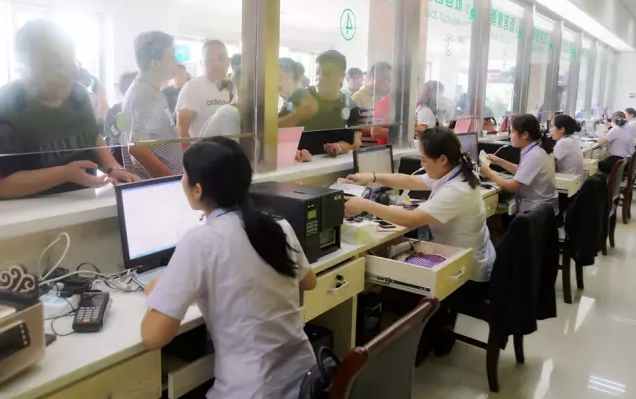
627,189
613,197
384,367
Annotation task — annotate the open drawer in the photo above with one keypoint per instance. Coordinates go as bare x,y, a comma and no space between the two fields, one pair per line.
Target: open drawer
438,281
183,377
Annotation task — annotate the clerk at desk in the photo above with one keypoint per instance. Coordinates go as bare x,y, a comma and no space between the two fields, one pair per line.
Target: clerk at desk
244,271
455,210
325,112
48,117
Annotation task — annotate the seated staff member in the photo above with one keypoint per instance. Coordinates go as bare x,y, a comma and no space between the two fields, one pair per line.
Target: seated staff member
534,180
152,119
244,271
619,141
326,113
49,117
455,210
567,151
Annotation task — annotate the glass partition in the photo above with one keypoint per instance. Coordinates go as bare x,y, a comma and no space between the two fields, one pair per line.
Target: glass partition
582,109
505,48
442,88
542,45
568,56
610,82
336,73
598,87
103,92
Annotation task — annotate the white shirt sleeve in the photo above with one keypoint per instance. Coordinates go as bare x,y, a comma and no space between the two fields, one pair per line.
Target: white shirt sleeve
528,169
297,253
426,117
560,149
181,282
225,122
445,205
187,98
611,135
427,180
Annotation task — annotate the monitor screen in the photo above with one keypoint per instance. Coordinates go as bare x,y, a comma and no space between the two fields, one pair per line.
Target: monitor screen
469,144
153,216
374,159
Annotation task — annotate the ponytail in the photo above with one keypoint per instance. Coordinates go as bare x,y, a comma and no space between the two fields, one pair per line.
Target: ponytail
268,239
466,169
546,143
619,118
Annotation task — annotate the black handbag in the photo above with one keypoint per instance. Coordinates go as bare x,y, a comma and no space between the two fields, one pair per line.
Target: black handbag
318,380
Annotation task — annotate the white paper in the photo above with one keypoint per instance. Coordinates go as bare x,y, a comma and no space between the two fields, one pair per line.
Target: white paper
483,158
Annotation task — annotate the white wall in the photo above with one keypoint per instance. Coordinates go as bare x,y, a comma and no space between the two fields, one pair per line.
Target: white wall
625,82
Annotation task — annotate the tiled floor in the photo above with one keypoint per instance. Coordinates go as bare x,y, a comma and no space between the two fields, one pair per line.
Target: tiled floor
587,352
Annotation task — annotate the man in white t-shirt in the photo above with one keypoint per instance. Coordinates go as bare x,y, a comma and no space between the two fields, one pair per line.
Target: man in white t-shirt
204,95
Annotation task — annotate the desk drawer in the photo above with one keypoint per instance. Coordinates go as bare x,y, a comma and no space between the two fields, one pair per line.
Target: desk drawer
183,377
334,287
491,203
138,378
439,281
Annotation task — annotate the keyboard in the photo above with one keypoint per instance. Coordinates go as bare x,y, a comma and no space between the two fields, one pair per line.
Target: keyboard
143,279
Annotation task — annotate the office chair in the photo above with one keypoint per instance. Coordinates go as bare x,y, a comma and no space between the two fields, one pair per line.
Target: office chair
627,189
384,367
613,197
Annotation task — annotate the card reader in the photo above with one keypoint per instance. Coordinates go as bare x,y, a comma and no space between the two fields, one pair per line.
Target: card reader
91,310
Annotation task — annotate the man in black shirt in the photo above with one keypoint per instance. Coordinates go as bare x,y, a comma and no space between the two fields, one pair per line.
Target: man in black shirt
171,93
49,139
330,119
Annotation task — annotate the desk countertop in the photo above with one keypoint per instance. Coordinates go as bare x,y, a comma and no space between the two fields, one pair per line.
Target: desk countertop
20,217
76,356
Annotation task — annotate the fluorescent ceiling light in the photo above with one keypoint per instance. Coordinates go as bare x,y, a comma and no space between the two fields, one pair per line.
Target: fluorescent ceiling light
588,24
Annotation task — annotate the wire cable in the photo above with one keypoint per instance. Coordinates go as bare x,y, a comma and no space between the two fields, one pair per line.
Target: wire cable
59,261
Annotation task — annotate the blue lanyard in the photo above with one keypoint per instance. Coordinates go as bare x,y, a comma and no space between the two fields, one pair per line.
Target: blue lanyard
452,177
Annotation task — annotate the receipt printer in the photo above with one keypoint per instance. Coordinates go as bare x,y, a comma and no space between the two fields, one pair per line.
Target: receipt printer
315,213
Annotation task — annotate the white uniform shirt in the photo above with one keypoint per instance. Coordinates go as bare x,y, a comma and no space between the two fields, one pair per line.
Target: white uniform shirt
568,156
620,141
225,122
203,97
252,312
461,220
425,116
536,174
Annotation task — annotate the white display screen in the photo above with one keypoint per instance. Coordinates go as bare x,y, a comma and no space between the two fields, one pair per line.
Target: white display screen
376,160
156,217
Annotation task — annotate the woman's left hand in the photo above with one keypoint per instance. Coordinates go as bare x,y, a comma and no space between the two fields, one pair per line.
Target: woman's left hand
355,206
121,176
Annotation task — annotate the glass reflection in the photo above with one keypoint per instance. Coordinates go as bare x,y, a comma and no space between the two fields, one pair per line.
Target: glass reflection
542,45
582,91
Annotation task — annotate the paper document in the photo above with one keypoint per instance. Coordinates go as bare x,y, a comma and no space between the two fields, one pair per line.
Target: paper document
483,158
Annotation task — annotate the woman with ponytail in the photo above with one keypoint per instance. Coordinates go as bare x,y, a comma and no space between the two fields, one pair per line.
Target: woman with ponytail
534,177
244,270
619,141
455,210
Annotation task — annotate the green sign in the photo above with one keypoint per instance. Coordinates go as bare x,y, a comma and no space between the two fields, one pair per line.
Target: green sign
450,14
540,36
348,24
182,53
454,4
568,48
503,21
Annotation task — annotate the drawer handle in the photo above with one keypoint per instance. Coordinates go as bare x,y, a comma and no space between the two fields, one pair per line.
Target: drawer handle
340,285
458,275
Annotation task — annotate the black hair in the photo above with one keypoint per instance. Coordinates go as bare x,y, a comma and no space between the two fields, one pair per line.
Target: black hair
380,66
151,46
438,141
295,68
429,96
87,80
33,34
619,118
333,56
354,72
125,80
529,124
566,122
221,168
631,111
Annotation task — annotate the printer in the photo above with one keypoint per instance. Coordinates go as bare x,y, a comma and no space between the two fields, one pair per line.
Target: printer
315,213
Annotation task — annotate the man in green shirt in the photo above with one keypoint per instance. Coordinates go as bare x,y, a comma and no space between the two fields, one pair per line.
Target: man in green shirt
49,139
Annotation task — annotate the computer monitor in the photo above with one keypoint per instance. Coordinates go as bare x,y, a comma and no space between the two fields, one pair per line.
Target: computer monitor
377,159
469,143
153,216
